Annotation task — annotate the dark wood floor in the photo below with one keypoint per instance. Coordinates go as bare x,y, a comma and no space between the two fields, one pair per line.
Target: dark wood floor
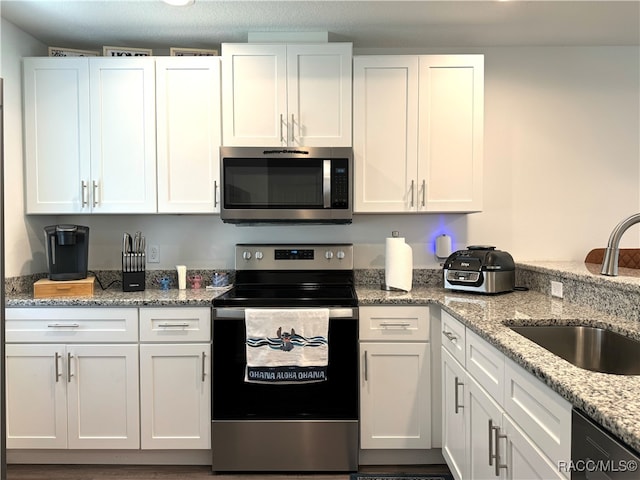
135,472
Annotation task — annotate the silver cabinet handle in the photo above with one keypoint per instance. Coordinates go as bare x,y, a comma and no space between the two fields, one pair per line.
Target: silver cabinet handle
424,191
57,360
203,364
65,325
456,398
366,367
282,139
450,336
395,324
85,200
69,374
498,465
491,455
412,192
165,325
94,193
293,129
215,193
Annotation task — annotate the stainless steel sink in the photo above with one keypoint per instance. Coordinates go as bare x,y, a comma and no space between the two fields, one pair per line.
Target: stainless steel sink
591,348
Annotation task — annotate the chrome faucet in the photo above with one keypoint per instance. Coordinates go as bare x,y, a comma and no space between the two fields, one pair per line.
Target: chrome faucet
611,254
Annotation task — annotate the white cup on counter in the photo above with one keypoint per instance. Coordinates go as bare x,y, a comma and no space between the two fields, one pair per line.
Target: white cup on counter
182,276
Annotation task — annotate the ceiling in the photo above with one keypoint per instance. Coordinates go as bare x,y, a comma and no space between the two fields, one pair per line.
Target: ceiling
368,24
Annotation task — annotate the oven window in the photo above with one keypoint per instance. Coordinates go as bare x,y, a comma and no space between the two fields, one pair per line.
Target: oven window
273,183
333,399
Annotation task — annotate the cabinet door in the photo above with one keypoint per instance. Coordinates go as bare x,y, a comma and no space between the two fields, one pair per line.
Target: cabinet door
385,129
450,147
524,460
483,417
319,95
57,146
123,135
103,398
36,400
453,415
254,95
395,396
175,396
188,134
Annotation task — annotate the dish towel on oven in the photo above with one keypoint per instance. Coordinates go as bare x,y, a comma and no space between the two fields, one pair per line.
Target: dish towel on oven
287,345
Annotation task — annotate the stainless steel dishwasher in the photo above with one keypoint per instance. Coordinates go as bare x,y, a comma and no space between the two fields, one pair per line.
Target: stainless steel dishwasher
598,455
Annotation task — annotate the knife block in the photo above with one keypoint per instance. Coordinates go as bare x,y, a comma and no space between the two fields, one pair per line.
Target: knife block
133,272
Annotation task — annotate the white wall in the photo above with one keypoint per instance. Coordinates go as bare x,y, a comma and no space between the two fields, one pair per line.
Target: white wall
562,167
23,235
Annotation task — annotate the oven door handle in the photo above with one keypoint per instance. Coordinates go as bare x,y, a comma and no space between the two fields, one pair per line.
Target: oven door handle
225,313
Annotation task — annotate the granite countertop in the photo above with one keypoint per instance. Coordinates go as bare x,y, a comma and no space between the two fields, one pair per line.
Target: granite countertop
611,400
151,297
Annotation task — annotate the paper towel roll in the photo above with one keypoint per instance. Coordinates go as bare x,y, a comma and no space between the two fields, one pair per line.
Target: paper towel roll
398,264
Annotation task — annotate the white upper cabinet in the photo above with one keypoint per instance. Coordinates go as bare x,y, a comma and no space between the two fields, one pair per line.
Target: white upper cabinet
418,133
57,145
385,134
188,134
123,135
90,135
287,95
451,133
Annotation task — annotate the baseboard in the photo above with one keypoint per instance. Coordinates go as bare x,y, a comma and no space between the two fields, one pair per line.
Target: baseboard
109,457
401,457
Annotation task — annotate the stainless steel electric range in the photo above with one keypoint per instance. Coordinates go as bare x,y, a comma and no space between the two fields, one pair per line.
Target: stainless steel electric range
286,426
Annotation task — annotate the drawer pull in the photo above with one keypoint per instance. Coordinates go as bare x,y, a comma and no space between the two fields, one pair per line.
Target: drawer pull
64,325
450,336
395,324
168,325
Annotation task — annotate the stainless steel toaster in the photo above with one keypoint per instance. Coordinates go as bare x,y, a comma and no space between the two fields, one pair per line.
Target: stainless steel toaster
480,268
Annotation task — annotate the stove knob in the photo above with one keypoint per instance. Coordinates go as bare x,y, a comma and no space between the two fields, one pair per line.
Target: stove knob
340,254
259,255
328,254
246,255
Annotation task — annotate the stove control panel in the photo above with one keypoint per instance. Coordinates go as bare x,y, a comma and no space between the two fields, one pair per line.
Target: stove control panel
338,256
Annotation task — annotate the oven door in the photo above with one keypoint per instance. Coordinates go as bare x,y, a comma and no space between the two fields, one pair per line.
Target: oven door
333,399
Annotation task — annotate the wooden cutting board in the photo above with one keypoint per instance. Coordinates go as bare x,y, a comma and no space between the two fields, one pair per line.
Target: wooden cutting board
45,288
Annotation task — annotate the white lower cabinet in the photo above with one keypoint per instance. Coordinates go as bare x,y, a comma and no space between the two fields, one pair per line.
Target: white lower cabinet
69,386
454,385
72,396
395,378
491,402
36,398
175,380
483,424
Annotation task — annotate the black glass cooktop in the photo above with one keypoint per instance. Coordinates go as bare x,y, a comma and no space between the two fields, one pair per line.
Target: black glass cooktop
287,296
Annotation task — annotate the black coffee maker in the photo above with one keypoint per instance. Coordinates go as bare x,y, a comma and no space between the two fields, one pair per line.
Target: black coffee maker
67,251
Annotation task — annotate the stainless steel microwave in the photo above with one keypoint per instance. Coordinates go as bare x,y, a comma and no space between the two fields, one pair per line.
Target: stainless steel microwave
286,185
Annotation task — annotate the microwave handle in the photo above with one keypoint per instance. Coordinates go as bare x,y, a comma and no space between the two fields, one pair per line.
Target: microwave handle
326,183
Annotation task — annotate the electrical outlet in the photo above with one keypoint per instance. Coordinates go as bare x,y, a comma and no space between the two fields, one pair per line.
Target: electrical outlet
556,289
153,255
